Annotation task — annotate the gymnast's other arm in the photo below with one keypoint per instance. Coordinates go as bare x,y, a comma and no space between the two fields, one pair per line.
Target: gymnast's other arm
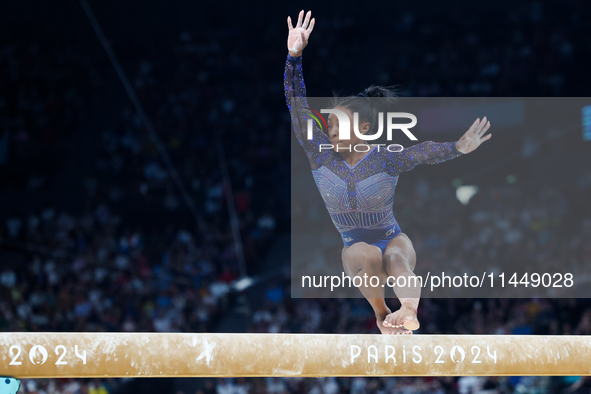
429,152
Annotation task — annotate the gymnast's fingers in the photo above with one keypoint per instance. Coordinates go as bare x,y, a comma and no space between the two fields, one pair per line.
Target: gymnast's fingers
299,24
311,27
474,125
478,130
484,129
307,20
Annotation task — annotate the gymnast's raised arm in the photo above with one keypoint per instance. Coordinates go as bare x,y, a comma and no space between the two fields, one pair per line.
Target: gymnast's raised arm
295,89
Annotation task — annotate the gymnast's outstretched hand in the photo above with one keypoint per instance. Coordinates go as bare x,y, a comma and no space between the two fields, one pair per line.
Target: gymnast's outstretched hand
298,36
474,136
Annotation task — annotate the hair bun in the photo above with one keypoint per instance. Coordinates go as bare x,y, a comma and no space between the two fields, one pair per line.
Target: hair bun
378,91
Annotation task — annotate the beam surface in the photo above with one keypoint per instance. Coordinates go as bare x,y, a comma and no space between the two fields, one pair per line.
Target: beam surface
52,355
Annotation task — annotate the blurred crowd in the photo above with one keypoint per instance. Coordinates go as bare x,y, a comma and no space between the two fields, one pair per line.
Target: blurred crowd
134,258
91,274
100,269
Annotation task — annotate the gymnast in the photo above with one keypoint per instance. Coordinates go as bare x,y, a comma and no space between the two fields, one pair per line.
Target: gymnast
358,187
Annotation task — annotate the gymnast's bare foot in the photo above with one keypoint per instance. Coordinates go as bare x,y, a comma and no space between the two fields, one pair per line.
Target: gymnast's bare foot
405,317
391,330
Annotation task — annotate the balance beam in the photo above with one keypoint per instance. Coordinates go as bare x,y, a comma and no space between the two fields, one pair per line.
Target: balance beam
86,355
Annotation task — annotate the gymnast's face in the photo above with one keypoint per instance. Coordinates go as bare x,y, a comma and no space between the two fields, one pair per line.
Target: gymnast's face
342,145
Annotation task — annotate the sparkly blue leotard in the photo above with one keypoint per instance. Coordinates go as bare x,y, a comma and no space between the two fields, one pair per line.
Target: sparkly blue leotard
359,199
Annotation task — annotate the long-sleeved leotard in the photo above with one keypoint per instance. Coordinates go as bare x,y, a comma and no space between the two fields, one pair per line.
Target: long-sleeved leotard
359,199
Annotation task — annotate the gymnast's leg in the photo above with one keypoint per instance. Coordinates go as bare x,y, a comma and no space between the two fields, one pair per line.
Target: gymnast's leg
360,259
399,261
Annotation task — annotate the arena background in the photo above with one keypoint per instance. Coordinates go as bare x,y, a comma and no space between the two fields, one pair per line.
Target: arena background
95,234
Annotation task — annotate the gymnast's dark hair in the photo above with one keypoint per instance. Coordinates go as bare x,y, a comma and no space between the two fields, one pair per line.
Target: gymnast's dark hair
366,105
